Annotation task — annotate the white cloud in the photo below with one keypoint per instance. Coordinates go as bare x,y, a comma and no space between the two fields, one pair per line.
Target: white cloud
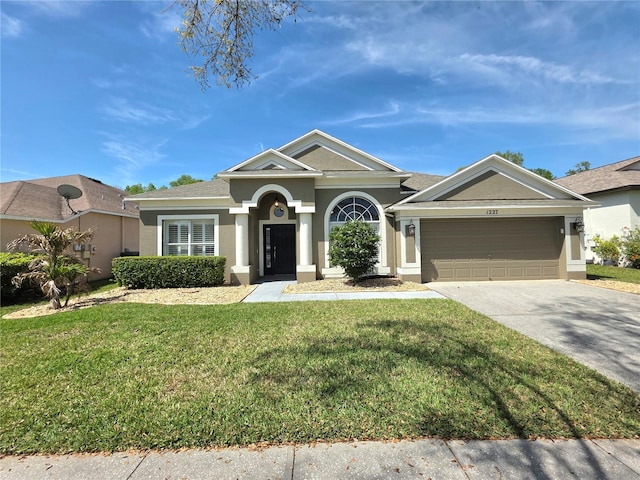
528,66
612,121
121,109
143,114
132,156
392,110
58,8
161,24
11,27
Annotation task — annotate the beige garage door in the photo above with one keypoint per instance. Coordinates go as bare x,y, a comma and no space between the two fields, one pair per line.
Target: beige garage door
490,249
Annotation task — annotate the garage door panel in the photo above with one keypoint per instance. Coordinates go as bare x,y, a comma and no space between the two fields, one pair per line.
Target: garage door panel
491,249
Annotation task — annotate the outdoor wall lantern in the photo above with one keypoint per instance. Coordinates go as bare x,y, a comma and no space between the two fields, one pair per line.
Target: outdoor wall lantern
411,230
579,225
276,204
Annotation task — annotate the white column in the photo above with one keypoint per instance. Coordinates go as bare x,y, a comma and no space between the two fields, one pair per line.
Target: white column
242,239
305,239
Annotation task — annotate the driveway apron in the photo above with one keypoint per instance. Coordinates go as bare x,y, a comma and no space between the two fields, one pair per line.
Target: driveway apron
596,326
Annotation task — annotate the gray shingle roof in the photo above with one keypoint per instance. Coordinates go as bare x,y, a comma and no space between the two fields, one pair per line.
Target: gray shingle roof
39,198
213,188
421,181
614,176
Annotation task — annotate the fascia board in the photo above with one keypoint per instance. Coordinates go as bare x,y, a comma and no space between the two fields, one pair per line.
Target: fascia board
171,199
185,204
67,219
260,174
480,211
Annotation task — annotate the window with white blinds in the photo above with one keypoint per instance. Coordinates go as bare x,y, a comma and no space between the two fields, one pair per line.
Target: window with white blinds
189,237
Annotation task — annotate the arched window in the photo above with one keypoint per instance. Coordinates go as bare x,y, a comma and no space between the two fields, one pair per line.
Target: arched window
354,208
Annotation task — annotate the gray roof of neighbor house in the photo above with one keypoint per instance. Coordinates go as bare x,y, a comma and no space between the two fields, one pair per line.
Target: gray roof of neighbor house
615,176
39,198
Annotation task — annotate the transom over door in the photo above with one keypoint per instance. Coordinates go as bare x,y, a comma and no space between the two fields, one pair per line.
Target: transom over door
279,249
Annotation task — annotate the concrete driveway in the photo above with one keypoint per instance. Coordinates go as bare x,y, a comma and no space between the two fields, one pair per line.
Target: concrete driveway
596,326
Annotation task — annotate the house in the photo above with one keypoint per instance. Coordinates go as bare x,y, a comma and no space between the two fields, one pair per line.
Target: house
272,214
99,206
616,188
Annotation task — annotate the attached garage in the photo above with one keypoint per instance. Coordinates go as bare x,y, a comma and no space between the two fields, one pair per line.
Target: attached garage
474,249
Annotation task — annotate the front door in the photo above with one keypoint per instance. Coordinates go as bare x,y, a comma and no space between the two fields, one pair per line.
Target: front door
279,249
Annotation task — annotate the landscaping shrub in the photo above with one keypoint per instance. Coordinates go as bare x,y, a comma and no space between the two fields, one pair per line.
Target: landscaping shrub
623,251
11,264
607,249
354,247
169,272
631,247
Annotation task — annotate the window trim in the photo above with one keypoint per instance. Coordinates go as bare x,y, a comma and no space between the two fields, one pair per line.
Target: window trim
160,229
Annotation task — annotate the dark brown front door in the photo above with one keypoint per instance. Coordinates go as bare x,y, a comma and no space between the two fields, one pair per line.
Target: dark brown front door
279,249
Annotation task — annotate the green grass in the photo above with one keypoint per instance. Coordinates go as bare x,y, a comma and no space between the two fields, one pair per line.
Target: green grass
122,376
628,275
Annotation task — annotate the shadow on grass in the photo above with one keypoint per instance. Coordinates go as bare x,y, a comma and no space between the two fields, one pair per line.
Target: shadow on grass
464,386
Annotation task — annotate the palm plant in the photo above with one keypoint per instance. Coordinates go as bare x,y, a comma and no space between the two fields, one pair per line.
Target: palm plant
55,268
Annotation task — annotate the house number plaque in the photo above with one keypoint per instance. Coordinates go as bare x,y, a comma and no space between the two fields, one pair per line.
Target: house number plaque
492,212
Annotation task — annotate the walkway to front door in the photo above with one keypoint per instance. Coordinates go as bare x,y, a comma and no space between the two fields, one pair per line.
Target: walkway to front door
279,249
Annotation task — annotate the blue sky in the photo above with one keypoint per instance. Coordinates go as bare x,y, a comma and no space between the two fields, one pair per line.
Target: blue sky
103,89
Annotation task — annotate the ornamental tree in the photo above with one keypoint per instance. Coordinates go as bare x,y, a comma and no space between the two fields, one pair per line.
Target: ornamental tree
56,268
354,247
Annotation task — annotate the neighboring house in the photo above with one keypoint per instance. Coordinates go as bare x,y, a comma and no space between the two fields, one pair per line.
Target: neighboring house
100,207
616,188
272,215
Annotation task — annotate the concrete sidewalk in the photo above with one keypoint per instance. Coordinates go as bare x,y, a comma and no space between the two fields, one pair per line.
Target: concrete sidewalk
421,459
274,292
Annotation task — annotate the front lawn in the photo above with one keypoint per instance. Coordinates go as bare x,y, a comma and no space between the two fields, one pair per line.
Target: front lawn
122,376
619,274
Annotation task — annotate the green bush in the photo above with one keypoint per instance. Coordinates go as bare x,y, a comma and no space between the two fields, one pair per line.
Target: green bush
169,272
11,264
631,247
607,249
354,247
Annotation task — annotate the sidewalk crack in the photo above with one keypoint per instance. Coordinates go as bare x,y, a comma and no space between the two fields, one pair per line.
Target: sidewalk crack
457,460
137,466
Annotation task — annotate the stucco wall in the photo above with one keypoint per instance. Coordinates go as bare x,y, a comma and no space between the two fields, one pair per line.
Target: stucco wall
300,188
112,235
618,210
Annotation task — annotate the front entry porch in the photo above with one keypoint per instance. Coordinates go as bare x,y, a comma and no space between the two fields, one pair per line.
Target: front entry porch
273,233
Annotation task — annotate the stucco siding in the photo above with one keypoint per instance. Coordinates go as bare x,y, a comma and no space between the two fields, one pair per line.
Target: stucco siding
323,159
243,190
112,235
616,211
492,186
12,229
